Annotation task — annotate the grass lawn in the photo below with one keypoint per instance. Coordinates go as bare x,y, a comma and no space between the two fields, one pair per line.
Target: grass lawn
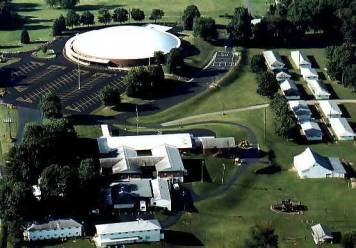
238,90
5,143
72,243
41,16
205,52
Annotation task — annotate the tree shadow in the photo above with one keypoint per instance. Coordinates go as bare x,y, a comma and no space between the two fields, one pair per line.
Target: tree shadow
94,7
196,170
25,7
88,119
181,238
313,62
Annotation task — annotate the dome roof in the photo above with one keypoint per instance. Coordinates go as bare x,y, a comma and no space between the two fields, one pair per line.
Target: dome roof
124,42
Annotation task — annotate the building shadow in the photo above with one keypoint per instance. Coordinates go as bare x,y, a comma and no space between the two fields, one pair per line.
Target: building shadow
313,62
286,61
345,112
181,238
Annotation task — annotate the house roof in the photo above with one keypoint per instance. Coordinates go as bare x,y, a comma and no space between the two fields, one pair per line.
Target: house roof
341,127
55,225
321,231
171,161
160,189
282,75
300,58
329,107
272,58
308,72
131,226
289,88
311,129
300,108
144,142
220,143
309,158
318,87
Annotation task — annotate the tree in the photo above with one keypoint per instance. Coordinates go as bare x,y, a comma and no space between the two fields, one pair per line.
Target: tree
190,13
52,3
205,28
68,4
58,181
285,125
137,14
72,18
175,60
25,37
262,236
51,106
156,14
239,28
89,170
349,78
59,25
104,16
258,64
267,84
87,18
159,57
339,58
110,95
120,15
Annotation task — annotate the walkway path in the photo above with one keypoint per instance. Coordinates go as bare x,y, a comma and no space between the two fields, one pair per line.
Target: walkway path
250,7
229,111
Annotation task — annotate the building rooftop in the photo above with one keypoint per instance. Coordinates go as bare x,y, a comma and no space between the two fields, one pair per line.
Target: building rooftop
329,108
341,127
131,226
55,225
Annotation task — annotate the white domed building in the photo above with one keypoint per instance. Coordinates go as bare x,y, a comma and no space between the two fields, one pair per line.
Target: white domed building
120,45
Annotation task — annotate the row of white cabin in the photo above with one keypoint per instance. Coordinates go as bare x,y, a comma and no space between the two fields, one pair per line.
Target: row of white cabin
311,129
310,75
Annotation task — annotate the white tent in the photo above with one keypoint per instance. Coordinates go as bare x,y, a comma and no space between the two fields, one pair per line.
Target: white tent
321,234
309,164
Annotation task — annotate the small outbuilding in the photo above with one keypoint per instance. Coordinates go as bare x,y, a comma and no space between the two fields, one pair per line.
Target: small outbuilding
318,89
301,110
300,60
311,130
309,73
342,129
273,60
330,109
321,234
290,90
309,164
282,76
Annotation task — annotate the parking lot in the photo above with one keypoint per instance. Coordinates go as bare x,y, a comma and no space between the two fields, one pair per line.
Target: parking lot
32,80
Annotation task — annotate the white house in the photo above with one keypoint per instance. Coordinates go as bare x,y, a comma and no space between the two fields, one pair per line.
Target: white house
54,229
115,234
289,90
273,60
318,89
309,164
161,195
342,129
282,76
321,234
300,109
309,73
311,130
330,109
300,60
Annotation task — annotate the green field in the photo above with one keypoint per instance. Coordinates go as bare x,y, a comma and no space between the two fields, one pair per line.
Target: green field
5,143
41,16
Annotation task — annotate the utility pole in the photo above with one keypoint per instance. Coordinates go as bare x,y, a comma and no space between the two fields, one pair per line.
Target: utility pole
265,120
78,70
136,120
223,173
8,120
202,170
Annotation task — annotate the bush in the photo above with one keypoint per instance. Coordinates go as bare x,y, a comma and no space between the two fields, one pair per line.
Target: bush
257,63
110,95
25,37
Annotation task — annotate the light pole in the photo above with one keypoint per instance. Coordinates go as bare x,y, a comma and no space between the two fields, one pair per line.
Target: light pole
223,173
78,70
